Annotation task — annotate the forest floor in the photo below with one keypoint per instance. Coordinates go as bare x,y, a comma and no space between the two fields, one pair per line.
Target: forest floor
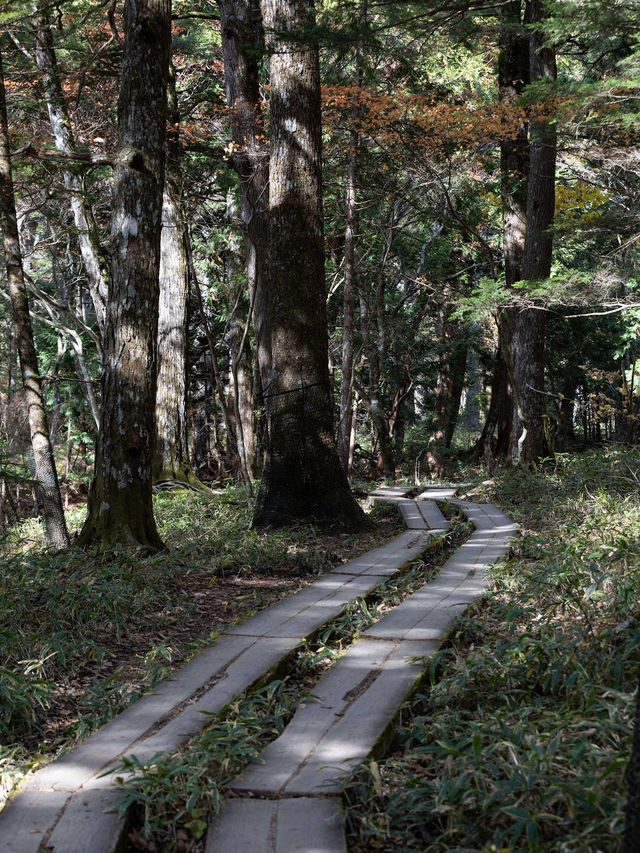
521,740
84,633
518,740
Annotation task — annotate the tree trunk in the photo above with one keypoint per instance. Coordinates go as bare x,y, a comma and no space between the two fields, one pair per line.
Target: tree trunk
447,402
565,413
528,179
386,461
216,382
171,459
120,501
46,476
458,367
242,377
513,74
473,389
93,257
348,300
500,414
449,384
529,325
75,340
303,477
242,47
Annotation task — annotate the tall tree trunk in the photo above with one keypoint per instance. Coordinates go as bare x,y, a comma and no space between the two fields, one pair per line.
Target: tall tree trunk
348,302
500,415
120,501
458,368
242,377
451,369
94,259
386,462
473,388
46,476
348,298
565,413
242,47
529,324
171,458
520,334
303,477
216,382
76,344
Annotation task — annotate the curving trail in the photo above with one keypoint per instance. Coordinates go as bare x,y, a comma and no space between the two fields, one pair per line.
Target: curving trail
304,771
65,807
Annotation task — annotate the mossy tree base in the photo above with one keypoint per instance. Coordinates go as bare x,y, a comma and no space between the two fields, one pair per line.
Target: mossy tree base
127,521
179,474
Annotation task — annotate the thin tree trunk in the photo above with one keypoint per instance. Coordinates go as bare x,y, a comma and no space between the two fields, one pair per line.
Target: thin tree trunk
473,389
458,368
120,500
171,458
514,75
242,378
565,415
227,414
386,463
75,340
303,477
348,300
500,415
350,274
48,489
94,259
451,369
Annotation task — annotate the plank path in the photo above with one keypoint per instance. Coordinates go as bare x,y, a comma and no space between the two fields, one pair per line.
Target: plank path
289,801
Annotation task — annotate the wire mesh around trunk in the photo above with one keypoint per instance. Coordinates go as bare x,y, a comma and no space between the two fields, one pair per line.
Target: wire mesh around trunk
299,444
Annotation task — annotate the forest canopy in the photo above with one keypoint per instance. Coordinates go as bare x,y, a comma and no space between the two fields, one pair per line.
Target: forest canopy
465,262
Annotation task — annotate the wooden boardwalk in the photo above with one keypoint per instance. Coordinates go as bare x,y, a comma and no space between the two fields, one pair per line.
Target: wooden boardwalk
70,806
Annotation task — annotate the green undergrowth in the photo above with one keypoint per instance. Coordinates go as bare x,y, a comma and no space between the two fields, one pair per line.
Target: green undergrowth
521,738
173,796
83,633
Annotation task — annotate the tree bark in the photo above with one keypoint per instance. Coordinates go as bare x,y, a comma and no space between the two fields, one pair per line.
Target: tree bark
500,415
348,303
242,378
451,369
529,325
303,477
93,257
46,476
242,47
120,500
171,459
513,76
386,461
528,181
350,274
